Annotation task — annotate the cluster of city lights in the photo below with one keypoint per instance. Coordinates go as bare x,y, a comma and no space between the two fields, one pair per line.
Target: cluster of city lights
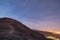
52,37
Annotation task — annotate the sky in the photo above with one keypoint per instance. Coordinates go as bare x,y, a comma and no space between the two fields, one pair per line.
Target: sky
36,14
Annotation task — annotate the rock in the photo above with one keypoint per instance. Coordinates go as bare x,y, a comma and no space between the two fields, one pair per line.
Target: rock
11,29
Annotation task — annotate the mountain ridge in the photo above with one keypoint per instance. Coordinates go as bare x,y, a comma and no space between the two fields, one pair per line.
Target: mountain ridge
17,31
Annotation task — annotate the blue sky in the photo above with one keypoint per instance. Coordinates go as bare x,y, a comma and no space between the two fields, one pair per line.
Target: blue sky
36,14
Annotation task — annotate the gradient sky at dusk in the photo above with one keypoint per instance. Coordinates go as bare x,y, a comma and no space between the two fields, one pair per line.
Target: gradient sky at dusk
36,14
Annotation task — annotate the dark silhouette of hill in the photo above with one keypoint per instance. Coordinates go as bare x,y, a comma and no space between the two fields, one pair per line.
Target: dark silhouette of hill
11,29
45,33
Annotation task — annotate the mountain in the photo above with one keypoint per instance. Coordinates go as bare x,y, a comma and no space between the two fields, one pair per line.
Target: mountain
11,29
45,33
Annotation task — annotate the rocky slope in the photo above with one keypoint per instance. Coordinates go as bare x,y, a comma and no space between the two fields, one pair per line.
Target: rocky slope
11,29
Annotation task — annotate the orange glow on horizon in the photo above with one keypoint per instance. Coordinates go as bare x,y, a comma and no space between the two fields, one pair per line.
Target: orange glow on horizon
54,32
